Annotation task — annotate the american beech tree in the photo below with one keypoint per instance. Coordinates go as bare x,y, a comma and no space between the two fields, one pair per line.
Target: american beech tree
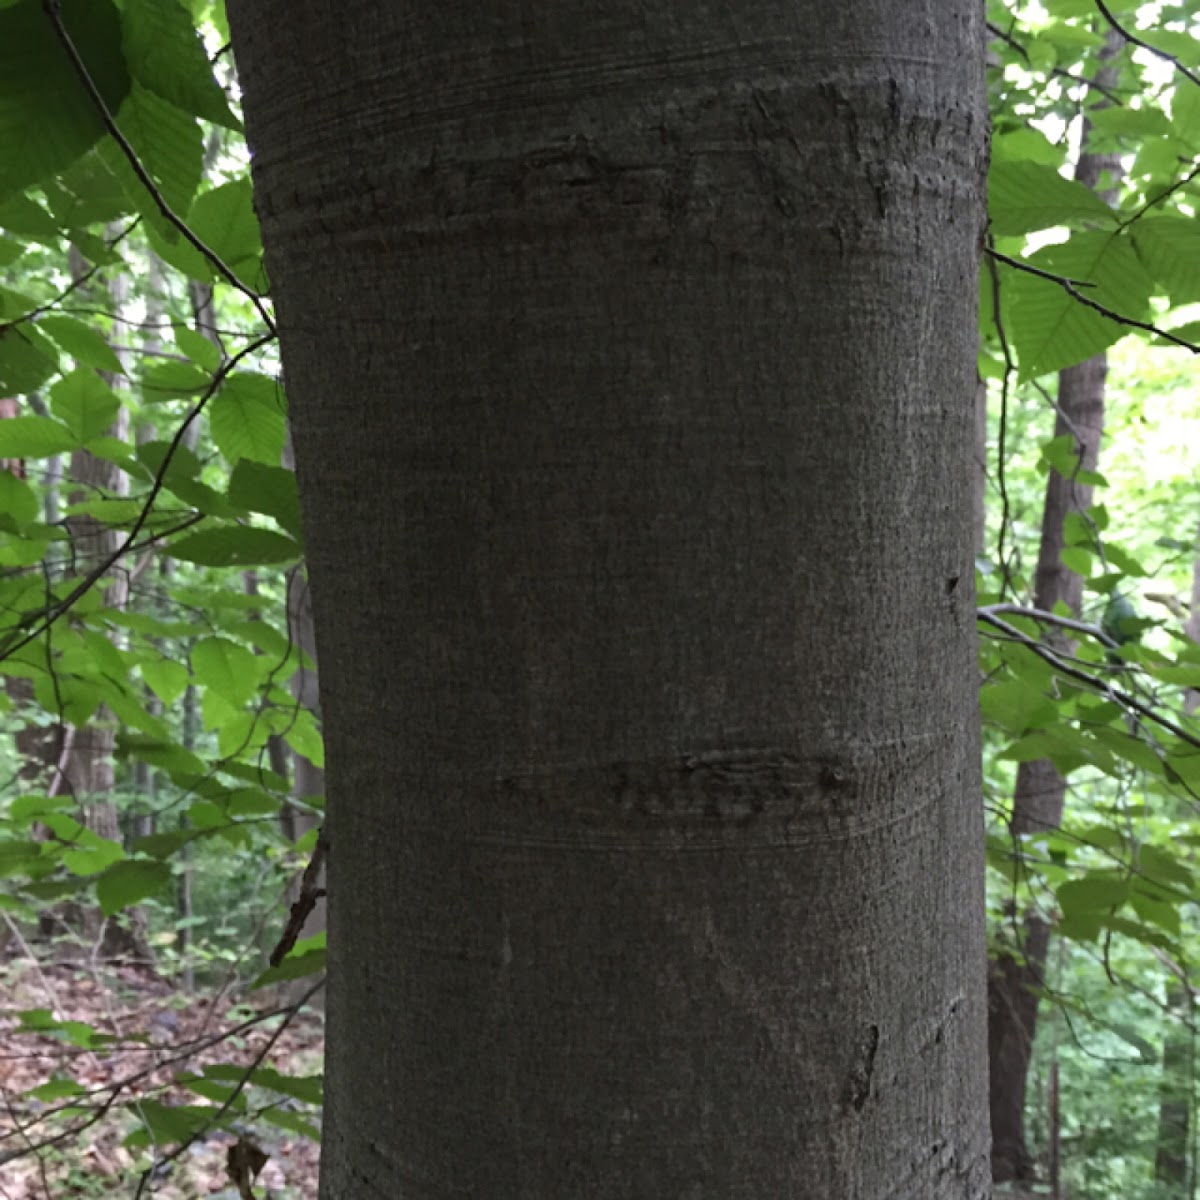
630,352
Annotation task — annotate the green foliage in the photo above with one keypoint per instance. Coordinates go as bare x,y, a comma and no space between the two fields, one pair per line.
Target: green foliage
194,669
47,118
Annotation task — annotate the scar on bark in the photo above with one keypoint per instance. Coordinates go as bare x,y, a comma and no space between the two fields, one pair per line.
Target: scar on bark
858,1083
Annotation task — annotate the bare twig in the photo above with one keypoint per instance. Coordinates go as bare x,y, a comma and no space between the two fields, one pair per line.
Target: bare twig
306,901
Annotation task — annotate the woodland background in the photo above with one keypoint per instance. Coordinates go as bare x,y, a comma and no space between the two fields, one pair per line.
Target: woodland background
160,750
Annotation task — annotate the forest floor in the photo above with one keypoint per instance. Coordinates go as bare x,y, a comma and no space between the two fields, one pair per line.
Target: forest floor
115,1083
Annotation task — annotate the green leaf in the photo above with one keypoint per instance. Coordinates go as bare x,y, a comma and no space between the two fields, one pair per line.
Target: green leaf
167,57
267,490
182,765
1062,455
169,147
236,546
1124,121
1165,916
100,656
26,218
47,118
252,802
18,503
266,638
238,733
164,845
203,498
204,814
174,381
1146,1052
10,251
34,437
256,774
1124,562
161,1124
295,966
87,193
1097,892
27,359
304,736
1170,249
183,465
198,348
1050,328
308,1088
19,856
167,679
91,859
228,669
1062,745
1017,706
84,343
57,1089
247,418
224,221
125,883
1158,864
211,1089
1132,750
291,1121
1028,144
1185,110
1078,559
114,450
85,404
78,1033
1025,196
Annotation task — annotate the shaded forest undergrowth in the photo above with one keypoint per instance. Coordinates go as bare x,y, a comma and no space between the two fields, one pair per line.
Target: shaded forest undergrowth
113,1082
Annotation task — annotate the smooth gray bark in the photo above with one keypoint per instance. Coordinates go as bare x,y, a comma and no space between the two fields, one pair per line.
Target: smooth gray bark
630,351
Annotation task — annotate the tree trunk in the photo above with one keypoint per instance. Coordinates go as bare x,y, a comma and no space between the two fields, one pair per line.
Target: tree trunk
1176,1088
1015,979
630,354
89,773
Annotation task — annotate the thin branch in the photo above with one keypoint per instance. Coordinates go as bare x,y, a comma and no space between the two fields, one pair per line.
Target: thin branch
1071,287
306,901
107,1094
1002,438
1048,618
46,617
52,10
240,1086
1056,72
1155,201
1100,686
80,281
1137,41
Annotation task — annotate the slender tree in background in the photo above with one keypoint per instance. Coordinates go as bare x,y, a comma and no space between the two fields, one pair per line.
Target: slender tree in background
86,758
1017,974
630,352
1174,1147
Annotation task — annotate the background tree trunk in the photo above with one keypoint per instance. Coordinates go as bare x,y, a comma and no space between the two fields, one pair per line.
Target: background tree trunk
1016,978
630,354
1177,1088
89,772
